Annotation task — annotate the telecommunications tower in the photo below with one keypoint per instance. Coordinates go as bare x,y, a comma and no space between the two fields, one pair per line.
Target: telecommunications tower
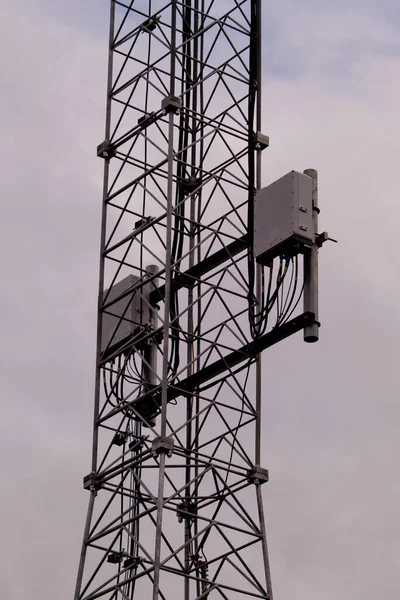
200,271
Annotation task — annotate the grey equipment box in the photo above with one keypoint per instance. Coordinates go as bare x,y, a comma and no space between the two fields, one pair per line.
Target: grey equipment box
283,217
127,313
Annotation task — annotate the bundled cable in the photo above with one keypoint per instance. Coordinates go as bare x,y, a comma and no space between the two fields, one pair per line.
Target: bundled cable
285,303
182,176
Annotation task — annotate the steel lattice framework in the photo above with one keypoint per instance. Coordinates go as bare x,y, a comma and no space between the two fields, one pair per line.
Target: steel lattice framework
175,506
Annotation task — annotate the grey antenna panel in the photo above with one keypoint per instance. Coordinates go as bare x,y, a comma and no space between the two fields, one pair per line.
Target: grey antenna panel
126,313
283,219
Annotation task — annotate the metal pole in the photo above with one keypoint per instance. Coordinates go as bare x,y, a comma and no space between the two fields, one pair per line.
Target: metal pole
103,237
192,51
84,547
168,274
264,541
168,241
311,332
258,267
261,517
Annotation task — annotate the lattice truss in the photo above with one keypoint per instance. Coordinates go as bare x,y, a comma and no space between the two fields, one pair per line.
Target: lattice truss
175,506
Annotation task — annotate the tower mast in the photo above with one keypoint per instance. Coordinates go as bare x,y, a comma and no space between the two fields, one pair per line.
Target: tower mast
175,507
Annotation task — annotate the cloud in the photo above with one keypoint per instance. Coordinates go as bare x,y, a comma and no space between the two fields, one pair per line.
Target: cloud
327,40
331,97
332,431
53,80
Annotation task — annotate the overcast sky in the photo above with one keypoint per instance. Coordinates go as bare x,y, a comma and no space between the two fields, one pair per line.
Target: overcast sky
331,417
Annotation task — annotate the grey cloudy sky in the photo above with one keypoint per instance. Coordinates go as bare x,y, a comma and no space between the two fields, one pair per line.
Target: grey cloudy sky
331,411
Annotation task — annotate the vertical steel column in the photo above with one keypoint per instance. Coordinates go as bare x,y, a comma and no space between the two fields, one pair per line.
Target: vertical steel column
168,275
103,235
259,268
191,51
95,441
258,187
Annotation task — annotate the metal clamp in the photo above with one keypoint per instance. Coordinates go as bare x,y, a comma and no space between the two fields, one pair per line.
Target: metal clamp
105,150
321,238
258,475
171,104
150,24
162,445
261,141
92,482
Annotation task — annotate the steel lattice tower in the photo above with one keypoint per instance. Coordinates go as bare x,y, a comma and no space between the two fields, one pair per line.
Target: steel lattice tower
175,507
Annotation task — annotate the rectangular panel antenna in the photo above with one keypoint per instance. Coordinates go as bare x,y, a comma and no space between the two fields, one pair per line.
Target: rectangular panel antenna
283,217
127,312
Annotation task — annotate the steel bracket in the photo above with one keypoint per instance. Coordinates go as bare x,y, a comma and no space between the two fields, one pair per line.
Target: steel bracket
258,475
92,482
120,438
323,237
191,184
261,141
171,104
184,280
162,445
115,558
132,562
147,119
105,150
186,509
150,25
